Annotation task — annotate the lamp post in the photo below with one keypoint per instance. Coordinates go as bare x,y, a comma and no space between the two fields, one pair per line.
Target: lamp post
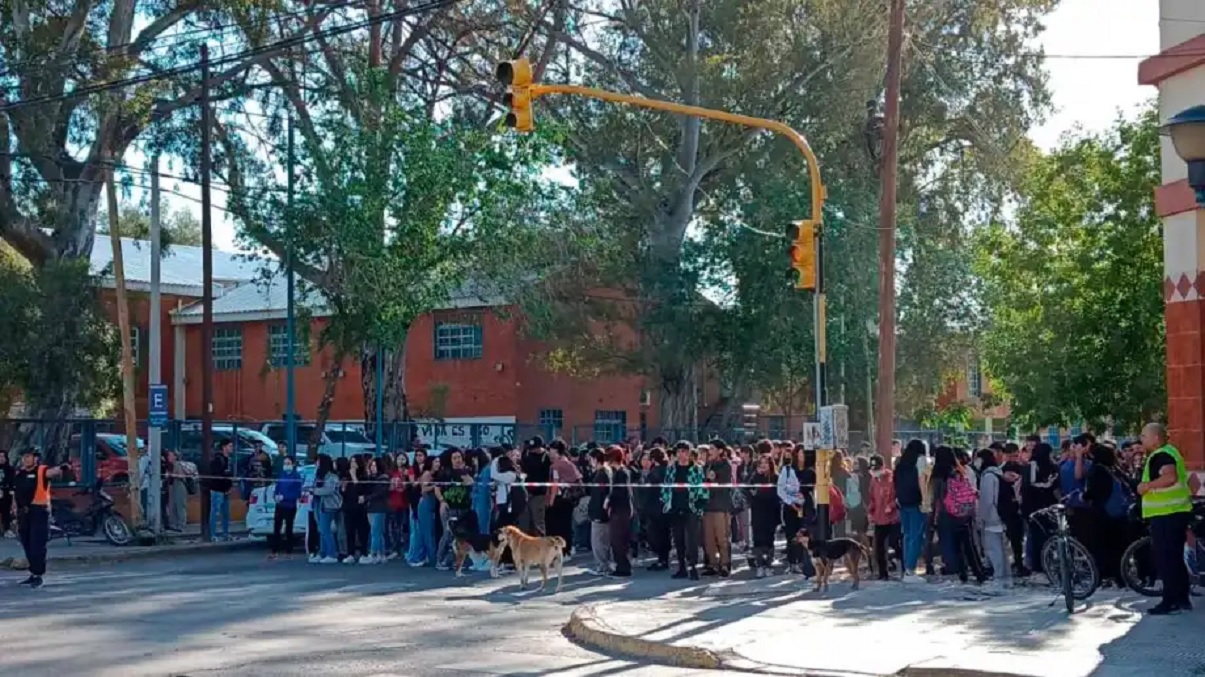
1187,131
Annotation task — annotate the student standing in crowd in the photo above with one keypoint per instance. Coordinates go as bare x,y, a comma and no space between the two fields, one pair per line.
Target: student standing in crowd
765,514
683,499
619,511
717,517
219,484
288,491
600,518
884,513
537,470
990,522
563,496
907,480
653,517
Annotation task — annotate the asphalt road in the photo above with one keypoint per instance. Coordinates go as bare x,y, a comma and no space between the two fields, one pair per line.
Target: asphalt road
238,614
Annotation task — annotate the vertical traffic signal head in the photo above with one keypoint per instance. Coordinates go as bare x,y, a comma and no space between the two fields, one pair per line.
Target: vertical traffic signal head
803,254
516,77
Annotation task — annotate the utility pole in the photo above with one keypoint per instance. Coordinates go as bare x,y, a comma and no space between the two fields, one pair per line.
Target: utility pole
207,294
821,331
154,432
127,353
290,315
885,415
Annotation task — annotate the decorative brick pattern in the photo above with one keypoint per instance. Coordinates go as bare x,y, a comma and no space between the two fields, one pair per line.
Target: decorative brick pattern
1183,288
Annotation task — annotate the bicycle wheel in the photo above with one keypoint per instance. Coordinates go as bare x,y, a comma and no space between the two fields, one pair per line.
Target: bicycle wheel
1068,593
1138,569
1085,577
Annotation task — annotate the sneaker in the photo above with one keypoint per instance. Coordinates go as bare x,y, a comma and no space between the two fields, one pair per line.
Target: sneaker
391,556
328,560
913,578
418,564
658,566
351,560
35,583
442,567
314,559
371,559
709,572
725,573
762,572
1162,609
28,581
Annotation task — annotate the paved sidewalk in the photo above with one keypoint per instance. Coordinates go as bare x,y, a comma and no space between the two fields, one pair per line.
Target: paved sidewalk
777,626
92,549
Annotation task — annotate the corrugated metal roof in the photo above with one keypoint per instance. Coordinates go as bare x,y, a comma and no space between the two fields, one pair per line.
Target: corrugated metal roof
180,266
267,299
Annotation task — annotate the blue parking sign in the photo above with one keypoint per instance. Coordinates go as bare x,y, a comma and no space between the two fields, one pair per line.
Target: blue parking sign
158,405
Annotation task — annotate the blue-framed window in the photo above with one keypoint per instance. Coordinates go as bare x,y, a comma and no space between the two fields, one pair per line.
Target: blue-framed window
552,421
457,341
776,427
227,348
278,346
610,426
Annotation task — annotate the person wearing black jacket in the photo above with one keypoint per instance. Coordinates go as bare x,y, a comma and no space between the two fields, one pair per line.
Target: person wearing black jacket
908,494
7,475
537,468
717,517
1108,542
619,511
600,519
1009,505
355,514
652,516
219,483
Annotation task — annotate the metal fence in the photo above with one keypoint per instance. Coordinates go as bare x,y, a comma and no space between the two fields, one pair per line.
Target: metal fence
96,448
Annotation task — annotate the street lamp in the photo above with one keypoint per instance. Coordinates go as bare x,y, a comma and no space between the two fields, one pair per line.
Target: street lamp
1187,130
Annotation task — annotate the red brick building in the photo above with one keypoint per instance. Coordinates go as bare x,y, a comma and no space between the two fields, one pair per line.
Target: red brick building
467,359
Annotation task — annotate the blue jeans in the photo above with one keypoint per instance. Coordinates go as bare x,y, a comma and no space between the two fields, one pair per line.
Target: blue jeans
327,547
912,522
415,553
484,510
376,539
428,510
219,504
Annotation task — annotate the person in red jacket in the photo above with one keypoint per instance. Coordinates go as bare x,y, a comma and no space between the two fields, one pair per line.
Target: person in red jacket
884,514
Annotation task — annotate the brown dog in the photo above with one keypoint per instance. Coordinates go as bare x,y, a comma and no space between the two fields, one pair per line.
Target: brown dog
826,554
528,551
466,544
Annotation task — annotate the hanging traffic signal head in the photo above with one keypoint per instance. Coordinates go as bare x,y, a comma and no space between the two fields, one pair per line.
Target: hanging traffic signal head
516,77
803,254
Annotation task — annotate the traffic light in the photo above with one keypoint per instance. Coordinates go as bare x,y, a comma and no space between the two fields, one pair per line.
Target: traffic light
803,254
516,77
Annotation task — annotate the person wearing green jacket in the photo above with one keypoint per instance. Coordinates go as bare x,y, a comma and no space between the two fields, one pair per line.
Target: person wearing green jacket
683,500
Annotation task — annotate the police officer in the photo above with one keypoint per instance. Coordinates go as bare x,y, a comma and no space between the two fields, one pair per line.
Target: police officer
1167,504
31,493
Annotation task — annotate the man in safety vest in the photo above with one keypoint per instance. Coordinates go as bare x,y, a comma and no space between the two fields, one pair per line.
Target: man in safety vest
32,495
1167,504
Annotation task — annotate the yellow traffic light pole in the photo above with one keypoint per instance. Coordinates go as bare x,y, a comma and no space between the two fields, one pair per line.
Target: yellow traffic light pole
517,76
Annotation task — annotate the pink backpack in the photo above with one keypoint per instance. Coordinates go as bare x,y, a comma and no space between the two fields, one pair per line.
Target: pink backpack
960,497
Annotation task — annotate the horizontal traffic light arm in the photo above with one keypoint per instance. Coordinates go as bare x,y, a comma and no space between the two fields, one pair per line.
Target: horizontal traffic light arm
819,193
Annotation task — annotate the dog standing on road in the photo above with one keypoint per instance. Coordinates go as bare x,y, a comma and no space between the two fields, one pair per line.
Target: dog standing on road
528,551
827,553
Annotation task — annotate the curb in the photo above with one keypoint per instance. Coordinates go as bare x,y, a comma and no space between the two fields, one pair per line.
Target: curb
135,553
588,630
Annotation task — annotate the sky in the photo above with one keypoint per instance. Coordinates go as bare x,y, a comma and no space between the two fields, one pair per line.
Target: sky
1088,93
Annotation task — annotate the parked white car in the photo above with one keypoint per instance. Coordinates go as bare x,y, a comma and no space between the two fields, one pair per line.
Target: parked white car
337,440
261,507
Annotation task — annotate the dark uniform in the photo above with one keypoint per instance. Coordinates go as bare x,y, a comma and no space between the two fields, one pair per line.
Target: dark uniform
32,496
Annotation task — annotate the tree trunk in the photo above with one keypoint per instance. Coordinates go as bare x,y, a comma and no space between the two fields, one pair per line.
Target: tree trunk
678,417
127,361
395,406
330,382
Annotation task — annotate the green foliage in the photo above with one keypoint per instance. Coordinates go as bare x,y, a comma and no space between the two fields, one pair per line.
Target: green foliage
1072,284
133,221
56,336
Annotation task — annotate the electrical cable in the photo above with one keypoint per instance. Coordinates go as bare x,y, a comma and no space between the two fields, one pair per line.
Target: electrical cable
231,59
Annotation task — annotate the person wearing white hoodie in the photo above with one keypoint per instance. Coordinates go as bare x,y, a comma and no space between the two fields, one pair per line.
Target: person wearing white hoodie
991,525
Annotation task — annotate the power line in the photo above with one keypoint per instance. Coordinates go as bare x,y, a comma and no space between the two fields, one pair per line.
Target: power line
268,49
164,41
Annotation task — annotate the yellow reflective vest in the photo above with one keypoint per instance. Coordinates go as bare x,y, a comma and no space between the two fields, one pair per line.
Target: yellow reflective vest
1174,499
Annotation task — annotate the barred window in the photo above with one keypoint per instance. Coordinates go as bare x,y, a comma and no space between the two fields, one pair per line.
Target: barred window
278,346
227,348
610,426
457,341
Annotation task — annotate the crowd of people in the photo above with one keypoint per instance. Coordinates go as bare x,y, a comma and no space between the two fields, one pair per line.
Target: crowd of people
689,508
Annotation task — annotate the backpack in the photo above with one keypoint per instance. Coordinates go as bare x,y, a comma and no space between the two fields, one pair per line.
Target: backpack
960,497
1120,499
836,505
853,492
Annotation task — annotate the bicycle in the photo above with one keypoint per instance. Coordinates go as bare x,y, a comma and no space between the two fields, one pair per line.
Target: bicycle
1066,562
1138,562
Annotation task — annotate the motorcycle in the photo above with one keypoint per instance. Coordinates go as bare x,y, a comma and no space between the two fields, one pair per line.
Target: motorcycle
100,516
